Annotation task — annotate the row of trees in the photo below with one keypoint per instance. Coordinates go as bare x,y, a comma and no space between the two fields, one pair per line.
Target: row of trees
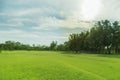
103,38
12,45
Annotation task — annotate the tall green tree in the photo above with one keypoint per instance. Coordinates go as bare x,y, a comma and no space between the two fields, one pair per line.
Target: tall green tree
53,45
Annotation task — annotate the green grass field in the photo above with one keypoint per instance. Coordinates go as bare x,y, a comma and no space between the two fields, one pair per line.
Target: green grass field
48,65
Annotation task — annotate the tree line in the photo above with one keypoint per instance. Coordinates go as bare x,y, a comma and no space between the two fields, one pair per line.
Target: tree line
103,37
12,45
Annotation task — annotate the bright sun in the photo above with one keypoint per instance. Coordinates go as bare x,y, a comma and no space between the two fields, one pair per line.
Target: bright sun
90,9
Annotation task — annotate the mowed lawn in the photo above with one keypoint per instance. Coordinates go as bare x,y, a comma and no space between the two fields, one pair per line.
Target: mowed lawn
49,65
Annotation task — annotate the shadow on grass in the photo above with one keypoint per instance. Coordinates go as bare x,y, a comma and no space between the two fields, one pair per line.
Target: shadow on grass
109,55
71,52
97,54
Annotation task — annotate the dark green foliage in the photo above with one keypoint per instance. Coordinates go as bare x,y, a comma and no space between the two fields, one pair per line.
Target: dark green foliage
103,38
53,45
12,45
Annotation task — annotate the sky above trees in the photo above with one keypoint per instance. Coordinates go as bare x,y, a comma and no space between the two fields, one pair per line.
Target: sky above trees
42,21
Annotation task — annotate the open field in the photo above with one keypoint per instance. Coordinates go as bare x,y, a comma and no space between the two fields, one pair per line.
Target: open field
48,65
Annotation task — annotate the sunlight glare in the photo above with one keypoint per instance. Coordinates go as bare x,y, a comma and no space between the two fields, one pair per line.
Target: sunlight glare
90,9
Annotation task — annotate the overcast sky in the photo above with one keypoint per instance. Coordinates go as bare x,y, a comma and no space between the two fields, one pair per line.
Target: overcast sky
42,21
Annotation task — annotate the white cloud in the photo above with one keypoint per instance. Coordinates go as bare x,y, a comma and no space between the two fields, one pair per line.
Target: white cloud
11,24
19,33
53,23
22,12
10,31
25,17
